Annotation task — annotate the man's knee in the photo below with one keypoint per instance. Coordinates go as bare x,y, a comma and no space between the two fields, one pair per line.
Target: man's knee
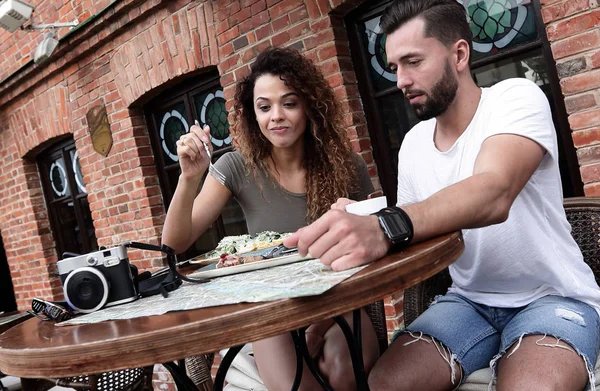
380,379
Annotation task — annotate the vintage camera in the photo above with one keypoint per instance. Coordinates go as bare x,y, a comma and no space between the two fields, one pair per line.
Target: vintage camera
95,280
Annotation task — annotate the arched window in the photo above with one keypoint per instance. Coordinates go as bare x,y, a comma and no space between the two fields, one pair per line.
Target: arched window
170,115
66,199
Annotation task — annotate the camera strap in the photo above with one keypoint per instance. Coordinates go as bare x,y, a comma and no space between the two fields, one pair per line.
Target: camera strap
162,282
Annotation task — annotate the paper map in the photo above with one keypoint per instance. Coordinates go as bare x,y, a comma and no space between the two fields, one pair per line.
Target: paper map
305,278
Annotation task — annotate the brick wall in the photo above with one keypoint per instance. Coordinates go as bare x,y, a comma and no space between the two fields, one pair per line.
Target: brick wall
127,50
120,56
573,29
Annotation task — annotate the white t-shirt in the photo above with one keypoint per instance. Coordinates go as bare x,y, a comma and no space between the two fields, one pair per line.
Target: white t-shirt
530,255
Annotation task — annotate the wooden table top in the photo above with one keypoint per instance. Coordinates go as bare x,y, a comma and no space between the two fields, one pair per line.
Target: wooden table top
36,349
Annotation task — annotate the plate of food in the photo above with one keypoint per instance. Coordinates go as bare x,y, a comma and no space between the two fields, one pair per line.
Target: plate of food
261,259
241,244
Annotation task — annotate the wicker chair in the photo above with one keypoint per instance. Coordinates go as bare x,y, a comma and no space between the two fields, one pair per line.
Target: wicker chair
583,213
136,379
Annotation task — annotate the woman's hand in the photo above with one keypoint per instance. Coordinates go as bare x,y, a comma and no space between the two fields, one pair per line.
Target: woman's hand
341,203
193,159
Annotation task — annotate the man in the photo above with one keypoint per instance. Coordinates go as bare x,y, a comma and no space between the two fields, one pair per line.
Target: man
484,161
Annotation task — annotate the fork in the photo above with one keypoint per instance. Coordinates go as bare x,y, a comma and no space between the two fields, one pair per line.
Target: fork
218,175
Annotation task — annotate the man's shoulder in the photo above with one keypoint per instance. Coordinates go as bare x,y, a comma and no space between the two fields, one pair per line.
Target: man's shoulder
517,86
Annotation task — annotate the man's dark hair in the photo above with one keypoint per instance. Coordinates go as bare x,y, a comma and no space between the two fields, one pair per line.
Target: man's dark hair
445,20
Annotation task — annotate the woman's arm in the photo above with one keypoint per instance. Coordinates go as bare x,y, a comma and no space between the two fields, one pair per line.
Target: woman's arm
190,215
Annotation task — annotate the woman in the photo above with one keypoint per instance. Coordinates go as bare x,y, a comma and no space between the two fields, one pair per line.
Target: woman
293,161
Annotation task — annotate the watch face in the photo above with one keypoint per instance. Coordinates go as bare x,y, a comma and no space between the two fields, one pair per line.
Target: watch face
395,227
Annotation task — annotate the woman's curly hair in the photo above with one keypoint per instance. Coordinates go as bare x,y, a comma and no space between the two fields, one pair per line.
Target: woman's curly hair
330,173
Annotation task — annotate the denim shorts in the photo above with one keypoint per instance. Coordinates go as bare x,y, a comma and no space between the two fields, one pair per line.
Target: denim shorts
477,335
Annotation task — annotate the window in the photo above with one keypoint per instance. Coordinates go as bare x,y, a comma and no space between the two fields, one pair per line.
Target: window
508,41
66,199
169,116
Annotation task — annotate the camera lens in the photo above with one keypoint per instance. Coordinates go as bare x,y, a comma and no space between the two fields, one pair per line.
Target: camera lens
86,289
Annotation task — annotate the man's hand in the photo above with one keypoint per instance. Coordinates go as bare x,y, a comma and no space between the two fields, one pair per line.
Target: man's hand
342,240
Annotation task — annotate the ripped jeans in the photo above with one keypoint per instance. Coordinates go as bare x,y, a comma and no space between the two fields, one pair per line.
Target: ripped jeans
476,336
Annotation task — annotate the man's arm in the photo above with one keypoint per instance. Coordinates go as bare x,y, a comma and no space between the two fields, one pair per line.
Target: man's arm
503,167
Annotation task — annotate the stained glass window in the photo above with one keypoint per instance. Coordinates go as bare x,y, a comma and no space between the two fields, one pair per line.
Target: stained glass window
57,174
211,106
80,186
499,24
172,125
375,47
495,24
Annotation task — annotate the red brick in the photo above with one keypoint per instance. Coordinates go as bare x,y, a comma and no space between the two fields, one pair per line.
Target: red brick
592,190
573,25
258,7
280,23
298,15
280,39
590,173
225,50
582,82
228,35
262,32
331,50
299,30
282,8
595,60
576,44
566,8
312,9
222,26
580,102
585,119
240,16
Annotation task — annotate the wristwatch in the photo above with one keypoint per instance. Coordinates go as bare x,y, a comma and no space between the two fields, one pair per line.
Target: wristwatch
396,225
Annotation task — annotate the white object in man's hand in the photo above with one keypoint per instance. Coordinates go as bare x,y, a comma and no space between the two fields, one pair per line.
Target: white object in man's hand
366,207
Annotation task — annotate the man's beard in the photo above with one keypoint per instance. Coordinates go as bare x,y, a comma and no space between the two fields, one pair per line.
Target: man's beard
442,96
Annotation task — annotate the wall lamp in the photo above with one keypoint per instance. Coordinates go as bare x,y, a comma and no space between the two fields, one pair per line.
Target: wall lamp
14,13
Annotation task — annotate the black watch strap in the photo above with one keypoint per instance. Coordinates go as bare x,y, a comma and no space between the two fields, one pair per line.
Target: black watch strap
396,225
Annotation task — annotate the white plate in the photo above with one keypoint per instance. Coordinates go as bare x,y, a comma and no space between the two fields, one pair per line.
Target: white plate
209,272
201,260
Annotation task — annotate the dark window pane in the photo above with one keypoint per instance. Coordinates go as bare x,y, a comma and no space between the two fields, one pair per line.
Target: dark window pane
499,24
210,107
530,65
69,229
172,124
398,118
89,231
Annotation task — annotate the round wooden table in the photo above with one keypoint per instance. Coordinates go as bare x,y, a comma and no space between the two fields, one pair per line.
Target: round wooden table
37,349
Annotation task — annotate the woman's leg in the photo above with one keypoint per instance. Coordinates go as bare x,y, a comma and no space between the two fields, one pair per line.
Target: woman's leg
336,364
276,361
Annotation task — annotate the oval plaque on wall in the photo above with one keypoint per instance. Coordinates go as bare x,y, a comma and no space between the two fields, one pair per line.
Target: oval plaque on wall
99,129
